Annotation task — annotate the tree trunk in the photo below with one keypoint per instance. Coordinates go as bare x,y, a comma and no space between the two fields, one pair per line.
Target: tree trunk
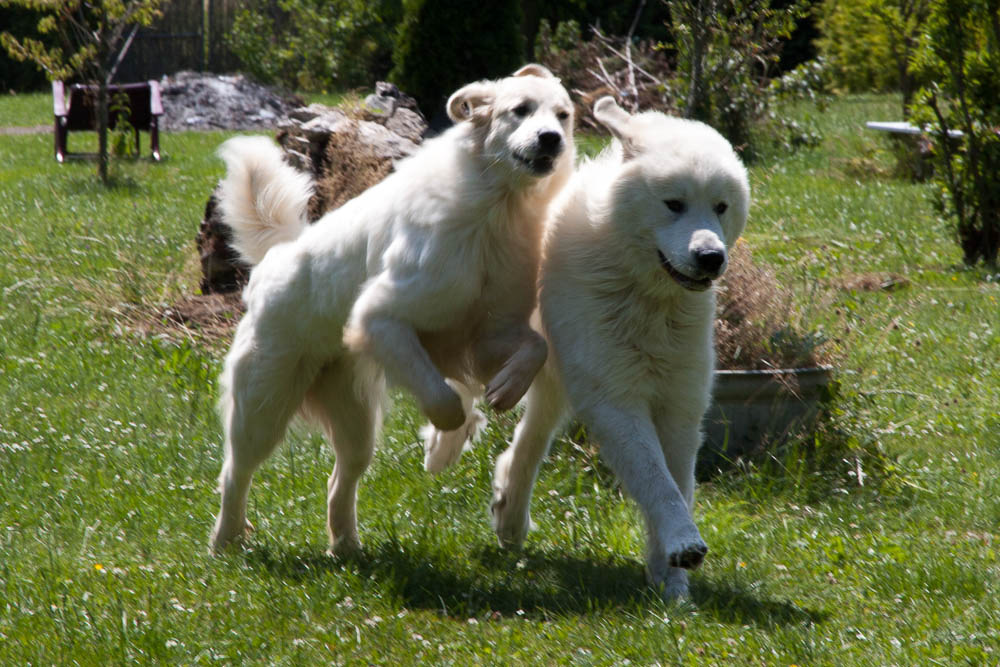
102,130
530,19
701,13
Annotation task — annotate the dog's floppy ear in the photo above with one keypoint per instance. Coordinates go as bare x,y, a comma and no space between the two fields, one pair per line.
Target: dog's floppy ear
613,117
535,70
472,102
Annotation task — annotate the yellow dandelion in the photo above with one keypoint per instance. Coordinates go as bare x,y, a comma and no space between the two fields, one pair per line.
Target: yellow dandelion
98,567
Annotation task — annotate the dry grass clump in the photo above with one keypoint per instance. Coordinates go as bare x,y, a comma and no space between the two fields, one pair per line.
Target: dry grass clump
757,326
349,166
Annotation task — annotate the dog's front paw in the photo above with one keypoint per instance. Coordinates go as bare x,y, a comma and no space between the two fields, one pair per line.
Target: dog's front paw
688,557
682,547
446,411
508,387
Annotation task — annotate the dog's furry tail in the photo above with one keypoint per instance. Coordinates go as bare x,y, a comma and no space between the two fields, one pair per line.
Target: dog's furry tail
262,199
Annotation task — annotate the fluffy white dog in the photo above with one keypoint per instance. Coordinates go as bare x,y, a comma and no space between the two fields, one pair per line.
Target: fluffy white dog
430,274
627,306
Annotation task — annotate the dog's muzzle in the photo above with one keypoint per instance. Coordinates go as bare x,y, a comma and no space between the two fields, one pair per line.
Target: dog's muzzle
686,281
548,148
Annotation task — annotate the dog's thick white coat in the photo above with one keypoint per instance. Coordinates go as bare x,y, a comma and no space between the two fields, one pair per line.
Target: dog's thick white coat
427,276
626,305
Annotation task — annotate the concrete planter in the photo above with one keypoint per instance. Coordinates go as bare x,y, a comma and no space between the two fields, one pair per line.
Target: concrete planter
753,411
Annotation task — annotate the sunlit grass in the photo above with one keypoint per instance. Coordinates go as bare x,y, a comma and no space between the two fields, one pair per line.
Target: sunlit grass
109,448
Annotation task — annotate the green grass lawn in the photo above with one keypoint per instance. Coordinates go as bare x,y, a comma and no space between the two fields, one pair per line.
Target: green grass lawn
110,445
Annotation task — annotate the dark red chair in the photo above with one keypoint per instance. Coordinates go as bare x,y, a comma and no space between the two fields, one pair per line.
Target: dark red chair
76,109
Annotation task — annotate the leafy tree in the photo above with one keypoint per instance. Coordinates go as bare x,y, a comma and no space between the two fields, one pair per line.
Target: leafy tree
91,39
868,44
726,52
960,55
316,44
14,75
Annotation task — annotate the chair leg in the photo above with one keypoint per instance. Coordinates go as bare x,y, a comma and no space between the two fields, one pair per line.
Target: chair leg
60,137
154,138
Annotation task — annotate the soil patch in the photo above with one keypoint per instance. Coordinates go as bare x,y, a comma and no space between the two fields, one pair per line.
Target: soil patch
20,130
207,318
874,282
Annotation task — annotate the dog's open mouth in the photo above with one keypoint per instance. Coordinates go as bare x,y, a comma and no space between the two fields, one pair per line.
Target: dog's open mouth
684,281
540,165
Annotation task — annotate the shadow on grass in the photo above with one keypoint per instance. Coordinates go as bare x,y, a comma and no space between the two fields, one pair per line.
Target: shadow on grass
530,583
736,605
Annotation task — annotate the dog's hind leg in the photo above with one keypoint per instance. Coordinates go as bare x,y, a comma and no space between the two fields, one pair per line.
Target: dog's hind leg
260,394
347,398
443,448
517,468
631,448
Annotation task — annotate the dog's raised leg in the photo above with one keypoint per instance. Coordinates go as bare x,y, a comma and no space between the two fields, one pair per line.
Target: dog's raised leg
347,399
631,448
395,346
509,359
517,468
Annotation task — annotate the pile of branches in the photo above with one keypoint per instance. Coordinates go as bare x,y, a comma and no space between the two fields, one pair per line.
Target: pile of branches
636,73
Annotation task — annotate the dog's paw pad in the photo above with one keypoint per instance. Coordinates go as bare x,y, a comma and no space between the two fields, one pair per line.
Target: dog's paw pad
690,557
507,388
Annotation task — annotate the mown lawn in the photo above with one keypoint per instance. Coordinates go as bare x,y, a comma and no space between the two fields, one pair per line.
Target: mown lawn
883,553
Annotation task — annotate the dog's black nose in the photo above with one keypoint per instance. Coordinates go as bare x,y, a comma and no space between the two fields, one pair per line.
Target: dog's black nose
710,260
549,142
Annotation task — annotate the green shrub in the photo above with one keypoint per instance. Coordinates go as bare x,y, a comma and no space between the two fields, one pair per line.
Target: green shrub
442,45
315,45
960,54
726,52
17,75
868,44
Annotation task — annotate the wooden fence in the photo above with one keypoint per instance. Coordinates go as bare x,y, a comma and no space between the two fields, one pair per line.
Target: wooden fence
189,36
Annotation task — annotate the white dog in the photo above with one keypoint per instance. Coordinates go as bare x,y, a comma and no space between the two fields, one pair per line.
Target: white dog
430,274
627,306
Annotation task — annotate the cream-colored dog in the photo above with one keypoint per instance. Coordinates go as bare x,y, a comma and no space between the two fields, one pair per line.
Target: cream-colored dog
627,306
429,275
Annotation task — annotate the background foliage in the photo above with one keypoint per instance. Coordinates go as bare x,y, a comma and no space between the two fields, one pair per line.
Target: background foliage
727,51
960,58
316,44
867,45
442,45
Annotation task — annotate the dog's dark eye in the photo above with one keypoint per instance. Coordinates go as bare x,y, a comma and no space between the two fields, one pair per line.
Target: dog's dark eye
675,205
522,110
721,208
562,115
